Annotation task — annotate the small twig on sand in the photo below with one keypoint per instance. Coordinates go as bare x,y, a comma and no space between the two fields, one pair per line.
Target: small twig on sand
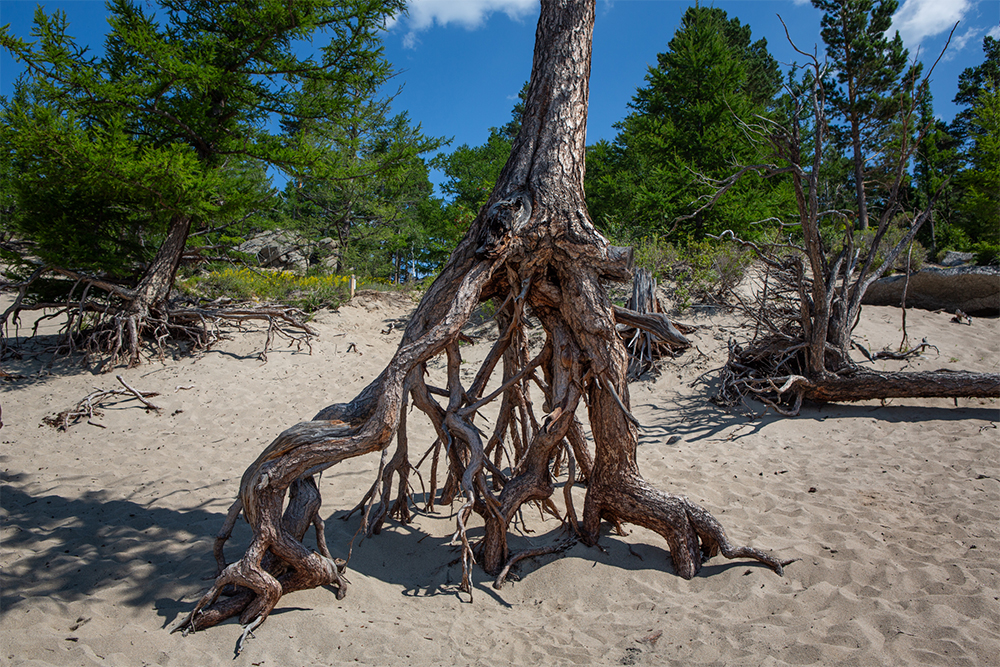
138,394
88,406
903,355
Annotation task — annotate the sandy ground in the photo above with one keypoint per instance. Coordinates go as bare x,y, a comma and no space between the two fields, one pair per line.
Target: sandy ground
893,510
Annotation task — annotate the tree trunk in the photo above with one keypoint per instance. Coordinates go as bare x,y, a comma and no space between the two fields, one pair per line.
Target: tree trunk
149,299
533,247
154,288
867,385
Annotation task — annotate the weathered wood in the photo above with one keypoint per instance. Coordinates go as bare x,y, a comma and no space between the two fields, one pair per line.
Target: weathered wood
647,332
804,328
657,324
533,247
867,385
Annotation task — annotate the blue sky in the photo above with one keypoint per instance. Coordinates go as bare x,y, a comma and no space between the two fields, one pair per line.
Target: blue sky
462,62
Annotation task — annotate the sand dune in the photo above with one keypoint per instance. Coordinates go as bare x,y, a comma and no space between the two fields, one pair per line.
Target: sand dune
893,510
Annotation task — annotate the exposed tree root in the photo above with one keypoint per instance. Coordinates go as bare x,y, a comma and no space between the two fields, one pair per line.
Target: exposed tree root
534,250
774,367
272,567
113,325
501,578
692,533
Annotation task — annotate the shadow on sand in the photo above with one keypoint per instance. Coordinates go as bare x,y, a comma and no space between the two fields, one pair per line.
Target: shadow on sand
72,549
694,417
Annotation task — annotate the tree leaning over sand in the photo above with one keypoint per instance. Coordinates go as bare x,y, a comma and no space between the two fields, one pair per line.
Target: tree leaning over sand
534,248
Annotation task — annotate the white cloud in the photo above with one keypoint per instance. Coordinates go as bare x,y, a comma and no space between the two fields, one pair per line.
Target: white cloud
410,40
467,13
994,32
918,19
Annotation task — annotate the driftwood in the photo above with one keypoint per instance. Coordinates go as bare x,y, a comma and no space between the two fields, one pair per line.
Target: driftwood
89,405
534,249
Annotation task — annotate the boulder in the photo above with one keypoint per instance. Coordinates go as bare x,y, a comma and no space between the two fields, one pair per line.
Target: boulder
953,258
278,249
975,290
328,250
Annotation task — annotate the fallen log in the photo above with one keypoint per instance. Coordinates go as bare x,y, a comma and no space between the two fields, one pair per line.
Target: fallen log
867,385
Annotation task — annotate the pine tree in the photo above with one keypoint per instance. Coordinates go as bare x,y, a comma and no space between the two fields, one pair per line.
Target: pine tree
936,166
980,183
171,128
869,65
686,128
971,83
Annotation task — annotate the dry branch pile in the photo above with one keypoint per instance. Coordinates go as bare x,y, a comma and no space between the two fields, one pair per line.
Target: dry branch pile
89,406
101,320
810,300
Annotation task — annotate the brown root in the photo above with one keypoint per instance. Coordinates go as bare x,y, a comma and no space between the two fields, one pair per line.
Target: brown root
533,249
115,326
270,569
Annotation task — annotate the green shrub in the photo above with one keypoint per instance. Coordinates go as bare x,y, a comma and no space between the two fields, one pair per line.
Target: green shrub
950,237
987,254
309,293
834,239
698,272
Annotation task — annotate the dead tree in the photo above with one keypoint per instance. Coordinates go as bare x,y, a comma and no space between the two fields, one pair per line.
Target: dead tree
534,248
810,298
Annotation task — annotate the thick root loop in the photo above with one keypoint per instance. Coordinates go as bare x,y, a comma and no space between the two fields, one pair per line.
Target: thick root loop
714,541
693,535
276,563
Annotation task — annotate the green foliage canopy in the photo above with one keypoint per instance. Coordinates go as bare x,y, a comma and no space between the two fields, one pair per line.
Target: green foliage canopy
867,93
178,118
370,187
688,127
981,192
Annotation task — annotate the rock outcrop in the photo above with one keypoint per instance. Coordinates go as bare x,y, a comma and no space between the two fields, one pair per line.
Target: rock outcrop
954,258
278,249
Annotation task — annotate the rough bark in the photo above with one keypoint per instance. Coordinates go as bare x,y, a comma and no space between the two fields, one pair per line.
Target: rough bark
867,385
154,288
145,306
534,247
